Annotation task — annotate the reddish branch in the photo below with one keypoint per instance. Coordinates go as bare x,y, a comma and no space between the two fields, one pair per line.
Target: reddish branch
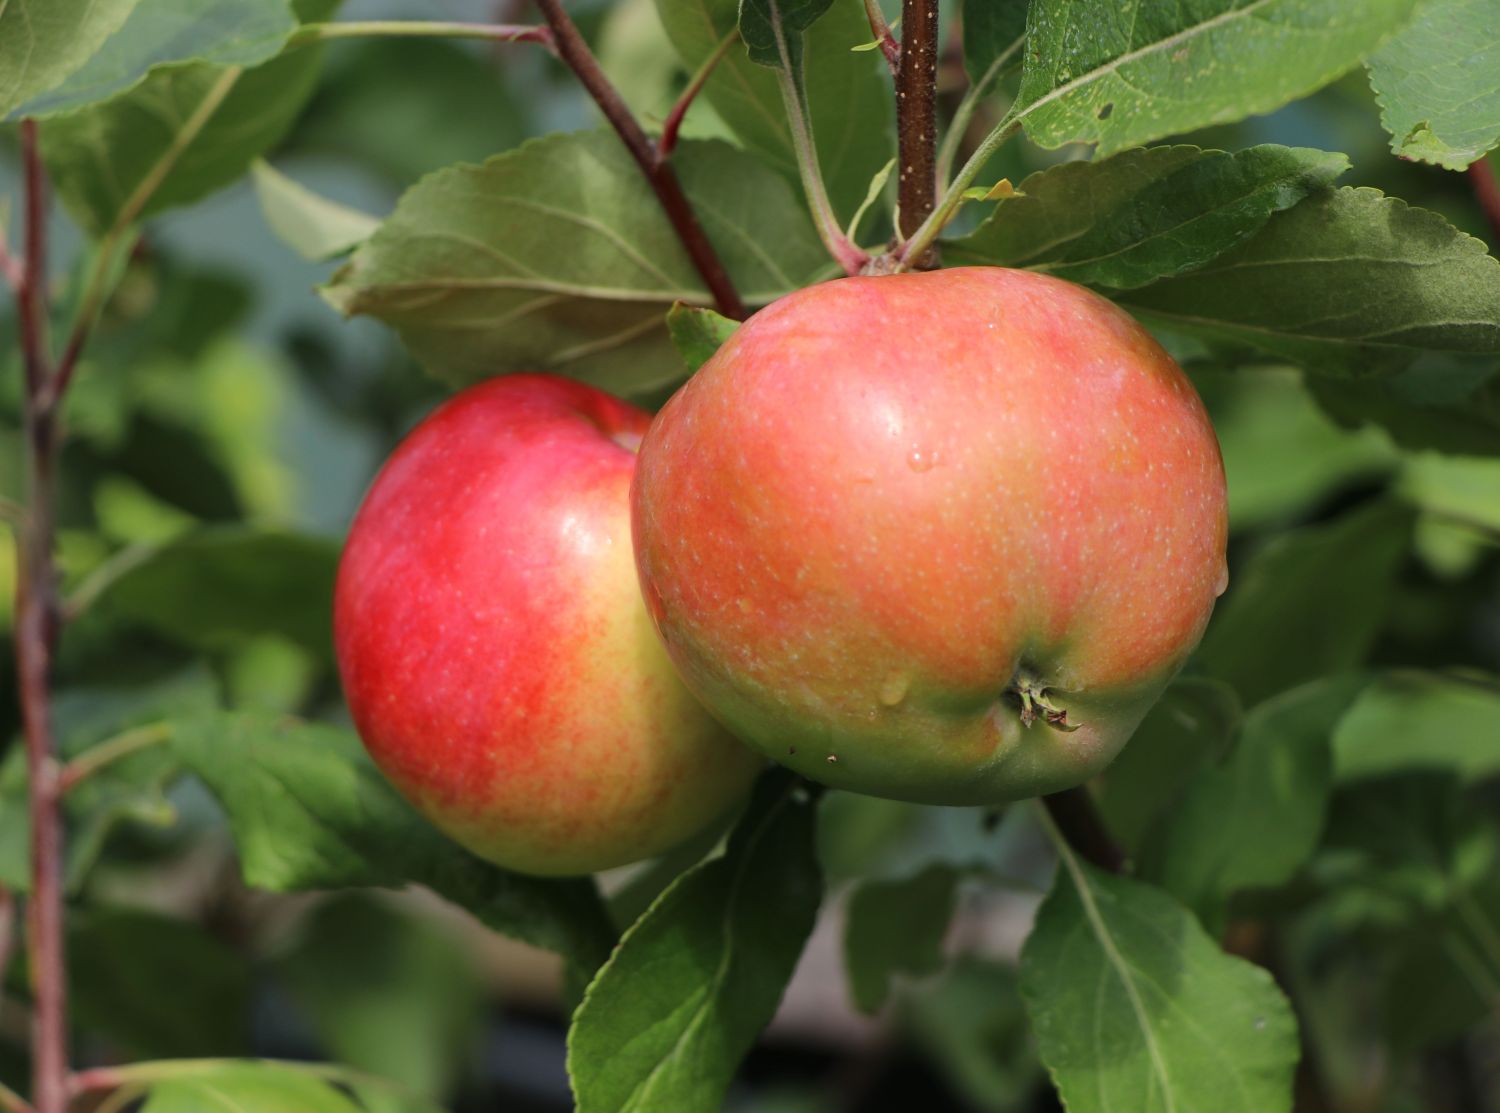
1487,193
36,639
916,114
673,124
659,173
882,32
1078,819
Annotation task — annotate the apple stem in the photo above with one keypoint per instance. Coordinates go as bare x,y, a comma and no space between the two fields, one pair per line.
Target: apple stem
1076,821
916,122
36,629
576,54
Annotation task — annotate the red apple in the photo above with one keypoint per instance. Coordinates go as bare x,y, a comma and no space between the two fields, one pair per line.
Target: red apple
495,651
940,537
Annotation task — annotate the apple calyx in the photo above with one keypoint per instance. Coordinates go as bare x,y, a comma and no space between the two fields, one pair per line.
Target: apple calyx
1036,703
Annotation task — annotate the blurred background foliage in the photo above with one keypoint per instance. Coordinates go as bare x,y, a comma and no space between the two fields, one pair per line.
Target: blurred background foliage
226,412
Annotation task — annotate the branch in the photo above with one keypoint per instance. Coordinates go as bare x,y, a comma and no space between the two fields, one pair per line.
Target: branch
1487,193
35,640
7,933
916,119
1078,821
673,123
310,33
882,32
576,55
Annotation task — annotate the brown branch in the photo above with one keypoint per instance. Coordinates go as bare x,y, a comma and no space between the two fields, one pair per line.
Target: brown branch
673,124
1076,817
35,639
576,54
916,116
1487,193
7,934
882,32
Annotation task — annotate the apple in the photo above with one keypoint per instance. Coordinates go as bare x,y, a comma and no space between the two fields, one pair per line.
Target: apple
940,537
494,649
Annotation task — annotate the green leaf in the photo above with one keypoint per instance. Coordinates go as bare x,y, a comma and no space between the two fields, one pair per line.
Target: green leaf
1445,403
557,256
161,33
848,94
1254,820
1307,604
1420,720
43,41
1457,487
157,987
310,811
247,1087
667,1020
198,127
1186,730
991,30
896,927
1134,1007
1123,72
312,226
417,1022
1143,215
772,30
1302,287
223,586
1438,83
698,333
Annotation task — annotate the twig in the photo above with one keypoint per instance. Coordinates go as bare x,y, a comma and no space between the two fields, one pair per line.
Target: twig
576,54
421,29
916,247
102,578
7,934
10,267
1078,820
1487,193
889,46
916,119
673,124
122,745
35,640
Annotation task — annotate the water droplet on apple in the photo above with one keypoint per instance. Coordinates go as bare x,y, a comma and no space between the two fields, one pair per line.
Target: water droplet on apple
894,688
1223,580
920,461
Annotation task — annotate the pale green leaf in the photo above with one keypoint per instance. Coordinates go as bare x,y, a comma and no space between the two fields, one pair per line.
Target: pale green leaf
896,927
1412,720
1352,282
557,256
1134,1008
1438,83
1123,72
1459,487
698,333
247,1087
1143,215
684,995
162,33
43,41
311,225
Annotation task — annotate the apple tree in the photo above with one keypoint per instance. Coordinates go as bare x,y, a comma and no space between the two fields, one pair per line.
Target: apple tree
250,243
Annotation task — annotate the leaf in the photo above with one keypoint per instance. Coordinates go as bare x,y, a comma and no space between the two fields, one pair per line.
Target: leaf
667,1020
1143,215
772,30
1123,72
698,333
1458,487
247,1087
1307,603
1186,730
43,41
101,156
222,586
1411,720
157,987
1254,820
312,226
991,30
1445,403
310,811
1134,1007
1438,83
896,927
160,33
417,1022
1351,282
847,93
557,256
